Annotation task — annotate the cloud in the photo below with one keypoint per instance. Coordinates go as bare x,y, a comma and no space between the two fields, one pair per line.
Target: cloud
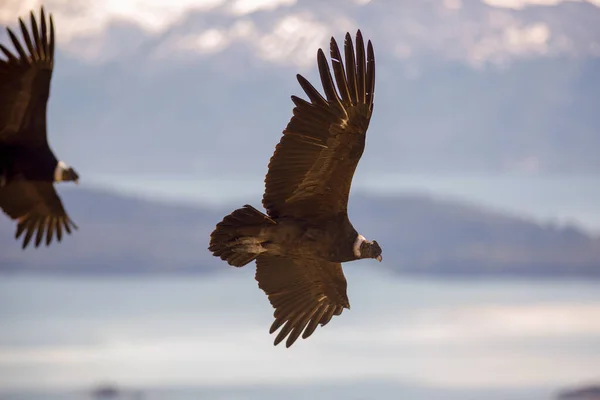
511,40
12,8
291,40
242,7
210,41
520,4
83,26
294,39
89,17
288,32
453,4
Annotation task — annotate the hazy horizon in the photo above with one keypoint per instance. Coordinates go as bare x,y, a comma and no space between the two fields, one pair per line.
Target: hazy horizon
539,198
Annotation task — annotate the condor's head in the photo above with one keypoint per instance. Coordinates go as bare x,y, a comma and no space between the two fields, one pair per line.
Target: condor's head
65,173
364,248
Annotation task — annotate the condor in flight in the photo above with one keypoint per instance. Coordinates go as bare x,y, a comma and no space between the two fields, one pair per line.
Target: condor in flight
28,167
302,241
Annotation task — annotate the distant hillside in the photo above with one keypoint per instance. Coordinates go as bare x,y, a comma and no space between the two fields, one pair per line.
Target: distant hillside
419,235
580,393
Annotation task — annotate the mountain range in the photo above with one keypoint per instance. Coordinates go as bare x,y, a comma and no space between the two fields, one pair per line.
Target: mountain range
492,86
419,235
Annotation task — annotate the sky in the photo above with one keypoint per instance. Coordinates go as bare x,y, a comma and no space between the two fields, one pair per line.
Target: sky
86,17
86,34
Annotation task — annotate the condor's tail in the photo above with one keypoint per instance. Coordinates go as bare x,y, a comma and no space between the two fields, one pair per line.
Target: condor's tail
236,238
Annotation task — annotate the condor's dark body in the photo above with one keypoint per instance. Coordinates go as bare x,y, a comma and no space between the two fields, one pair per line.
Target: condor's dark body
328,239
32,164
28,167
305,236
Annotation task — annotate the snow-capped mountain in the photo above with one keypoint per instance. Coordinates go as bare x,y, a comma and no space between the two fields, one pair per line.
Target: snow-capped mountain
194,86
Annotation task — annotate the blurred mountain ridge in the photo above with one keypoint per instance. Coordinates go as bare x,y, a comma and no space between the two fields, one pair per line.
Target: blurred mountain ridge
419,235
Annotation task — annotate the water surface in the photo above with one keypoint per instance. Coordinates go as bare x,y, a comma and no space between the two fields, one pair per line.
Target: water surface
422,335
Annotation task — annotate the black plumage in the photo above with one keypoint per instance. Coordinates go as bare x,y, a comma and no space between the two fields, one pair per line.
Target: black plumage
28,167
300,243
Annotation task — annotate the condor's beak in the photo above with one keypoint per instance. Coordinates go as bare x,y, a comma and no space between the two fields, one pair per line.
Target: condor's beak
379,258
77,181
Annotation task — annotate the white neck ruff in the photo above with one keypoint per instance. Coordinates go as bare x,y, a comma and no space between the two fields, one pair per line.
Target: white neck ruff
360,239
58,172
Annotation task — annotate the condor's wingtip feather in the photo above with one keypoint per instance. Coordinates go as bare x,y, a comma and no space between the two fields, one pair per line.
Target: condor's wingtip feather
326,78
312,93
370,74
44,28
347,37
17,44
27,39
338,70
51,44
39,47
350,68
40,226
11,57
361,68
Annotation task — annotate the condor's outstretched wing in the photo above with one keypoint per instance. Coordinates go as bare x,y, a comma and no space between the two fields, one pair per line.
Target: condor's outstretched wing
38,210
304,293
25,83
311,171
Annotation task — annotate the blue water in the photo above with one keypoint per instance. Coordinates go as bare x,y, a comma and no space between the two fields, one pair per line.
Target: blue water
194,337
